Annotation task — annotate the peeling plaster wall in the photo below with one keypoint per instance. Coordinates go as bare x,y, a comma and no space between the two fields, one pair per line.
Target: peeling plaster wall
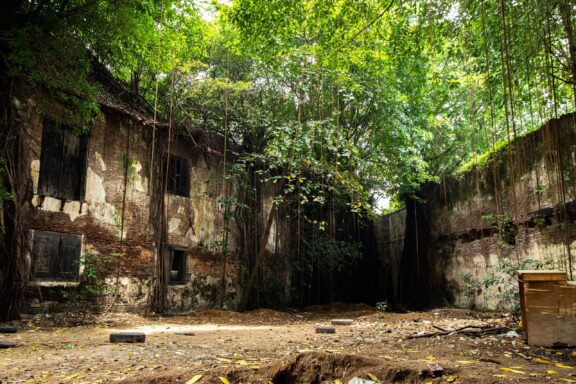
465,248
194,224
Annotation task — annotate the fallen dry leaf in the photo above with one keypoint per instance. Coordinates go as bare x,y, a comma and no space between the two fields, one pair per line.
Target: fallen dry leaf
223,359
512,370
372,376
541,361
70,377
194,379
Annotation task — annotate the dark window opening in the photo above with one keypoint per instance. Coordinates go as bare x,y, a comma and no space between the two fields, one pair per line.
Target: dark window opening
56,256
62,162
179,176
177,266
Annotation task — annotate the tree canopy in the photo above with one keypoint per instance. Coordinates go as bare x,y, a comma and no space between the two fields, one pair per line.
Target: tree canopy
371,96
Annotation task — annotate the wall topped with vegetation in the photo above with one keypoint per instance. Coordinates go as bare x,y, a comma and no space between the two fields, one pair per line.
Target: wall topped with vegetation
512,210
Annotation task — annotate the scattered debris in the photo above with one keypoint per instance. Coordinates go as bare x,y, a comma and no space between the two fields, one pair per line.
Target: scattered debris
468,330
128,337
435,370
512,334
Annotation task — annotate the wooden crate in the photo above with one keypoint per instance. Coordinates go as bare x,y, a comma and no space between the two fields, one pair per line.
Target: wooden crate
548,304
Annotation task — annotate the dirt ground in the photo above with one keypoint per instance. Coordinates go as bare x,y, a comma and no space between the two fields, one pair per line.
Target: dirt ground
266,346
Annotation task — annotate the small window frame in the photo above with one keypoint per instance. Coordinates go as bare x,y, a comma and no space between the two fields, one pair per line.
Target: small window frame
66,249
179,176
178,258
63,161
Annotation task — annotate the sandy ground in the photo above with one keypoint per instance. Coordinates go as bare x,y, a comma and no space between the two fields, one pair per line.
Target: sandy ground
270,346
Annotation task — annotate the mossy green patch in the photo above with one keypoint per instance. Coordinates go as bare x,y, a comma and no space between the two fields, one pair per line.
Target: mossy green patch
482,159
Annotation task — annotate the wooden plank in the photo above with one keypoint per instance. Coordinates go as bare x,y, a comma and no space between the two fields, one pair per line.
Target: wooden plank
542,275
523,310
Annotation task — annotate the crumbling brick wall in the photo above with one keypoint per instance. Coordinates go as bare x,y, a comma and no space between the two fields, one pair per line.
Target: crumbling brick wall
113,216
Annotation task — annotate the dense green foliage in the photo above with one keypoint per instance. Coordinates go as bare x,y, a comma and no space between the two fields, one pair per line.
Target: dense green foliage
372,95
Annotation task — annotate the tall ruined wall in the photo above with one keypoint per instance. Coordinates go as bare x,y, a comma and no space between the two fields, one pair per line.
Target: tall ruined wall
388,233
117,197
497,216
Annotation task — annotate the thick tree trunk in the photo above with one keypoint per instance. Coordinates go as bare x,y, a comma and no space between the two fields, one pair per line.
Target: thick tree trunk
13,276
158,220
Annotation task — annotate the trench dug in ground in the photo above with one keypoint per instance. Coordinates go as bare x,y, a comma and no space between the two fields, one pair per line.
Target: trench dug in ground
313,367
271,346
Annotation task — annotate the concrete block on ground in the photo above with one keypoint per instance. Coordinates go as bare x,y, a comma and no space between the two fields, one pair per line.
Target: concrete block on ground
342,321
323,329
6,344
127,337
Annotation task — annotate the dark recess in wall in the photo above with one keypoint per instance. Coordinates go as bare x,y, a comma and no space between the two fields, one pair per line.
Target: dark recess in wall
415,287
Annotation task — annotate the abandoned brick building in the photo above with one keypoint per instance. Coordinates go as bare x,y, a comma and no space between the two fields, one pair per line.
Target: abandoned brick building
104,193
93,194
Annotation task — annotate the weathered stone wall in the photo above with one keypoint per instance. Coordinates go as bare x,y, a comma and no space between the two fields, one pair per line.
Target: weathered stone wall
498,216
118,197
476,228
